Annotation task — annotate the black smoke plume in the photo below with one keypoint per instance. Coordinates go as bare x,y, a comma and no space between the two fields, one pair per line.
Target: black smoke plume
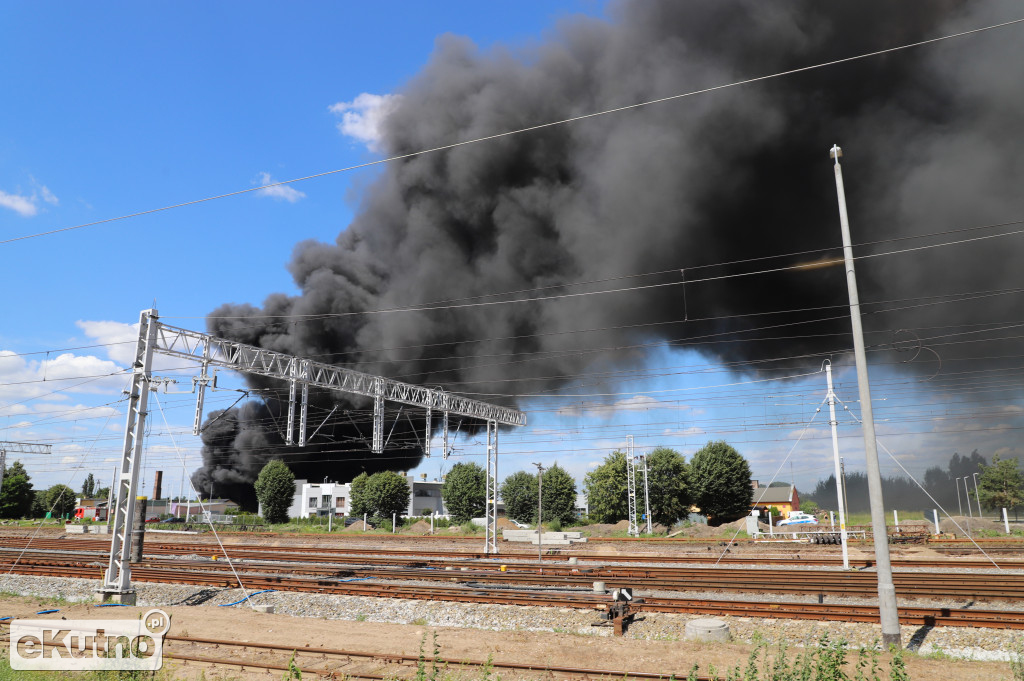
932,140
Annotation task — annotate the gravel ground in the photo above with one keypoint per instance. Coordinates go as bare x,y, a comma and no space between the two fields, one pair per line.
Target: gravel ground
975,644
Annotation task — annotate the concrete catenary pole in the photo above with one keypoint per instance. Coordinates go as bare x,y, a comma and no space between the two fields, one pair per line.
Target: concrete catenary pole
889,615
540,481
835,455
977,496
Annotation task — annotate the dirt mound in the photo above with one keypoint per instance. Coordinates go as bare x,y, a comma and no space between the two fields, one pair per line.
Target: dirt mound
419,527
358,527
506,524
975,524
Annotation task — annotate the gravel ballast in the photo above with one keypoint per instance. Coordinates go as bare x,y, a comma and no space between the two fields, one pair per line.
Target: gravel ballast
959,642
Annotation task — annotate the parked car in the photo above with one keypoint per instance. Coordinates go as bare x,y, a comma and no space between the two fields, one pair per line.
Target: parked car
799,518
521,526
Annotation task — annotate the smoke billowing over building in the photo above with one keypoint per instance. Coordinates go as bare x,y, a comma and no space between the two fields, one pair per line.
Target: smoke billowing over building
932,140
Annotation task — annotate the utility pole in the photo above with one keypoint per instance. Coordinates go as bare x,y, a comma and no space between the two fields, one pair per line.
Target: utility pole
634,530
977,496
846,504
540,484
835,455
959,504
888,613
967,498
647,497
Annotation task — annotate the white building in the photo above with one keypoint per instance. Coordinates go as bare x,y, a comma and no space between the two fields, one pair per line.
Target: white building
323,498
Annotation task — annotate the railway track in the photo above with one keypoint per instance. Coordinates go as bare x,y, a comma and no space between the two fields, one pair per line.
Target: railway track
561,598
434,558
959,585
357,664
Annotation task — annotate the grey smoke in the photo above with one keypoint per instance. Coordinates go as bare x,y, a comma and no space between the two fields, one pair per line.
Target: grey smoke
932,139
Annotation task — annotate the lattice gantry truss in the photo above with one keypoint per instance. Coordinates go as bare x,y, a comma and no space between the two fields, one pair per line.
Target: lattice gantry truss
211,351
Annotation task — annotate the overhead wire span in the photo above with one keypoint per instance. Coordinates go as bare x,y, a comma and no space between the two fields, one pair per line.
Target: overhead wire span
541,126
209,519
921,487
778,470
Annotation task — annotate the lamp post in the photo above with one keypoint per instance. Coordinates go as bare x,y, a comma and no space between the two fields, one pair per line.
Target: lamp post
540,482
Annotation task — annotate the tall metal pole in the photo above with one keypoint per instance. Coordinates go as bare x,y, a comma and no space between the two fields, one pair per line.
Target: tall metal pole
540,535
977,496
846,504
967,497
959,504
888,613
647,497
634,530
835,455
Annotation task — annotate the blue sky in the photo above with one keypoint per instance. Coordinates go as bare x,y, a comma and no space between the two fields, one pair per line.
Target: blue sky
116,108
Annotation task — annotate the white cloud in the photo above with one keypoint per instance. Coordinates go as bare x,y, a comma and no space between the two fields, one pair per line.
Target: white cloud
25,206
683,432
68,460
279,192
47,195
362,119
629,404
28,205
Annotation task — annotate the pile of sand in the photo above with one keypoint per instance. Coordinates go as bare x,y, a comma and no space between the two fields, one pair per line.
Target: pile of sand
946,525
419,527
358,527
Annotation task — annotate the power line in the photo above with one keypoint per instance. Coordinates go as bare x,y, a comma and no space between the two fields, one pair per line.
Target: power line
541,126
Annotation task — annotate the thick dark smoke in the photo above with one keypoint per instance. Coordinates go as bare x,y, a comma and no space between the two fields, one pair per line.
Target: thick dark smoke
932,138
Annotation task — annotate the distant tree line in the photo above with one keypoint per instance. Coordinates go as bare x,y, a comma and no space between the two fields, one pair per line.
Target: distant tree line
999,485
19,499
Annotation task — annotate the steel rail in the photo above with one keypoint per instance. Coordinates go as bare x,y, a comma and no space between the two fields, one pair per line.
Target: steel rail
467,594
804,556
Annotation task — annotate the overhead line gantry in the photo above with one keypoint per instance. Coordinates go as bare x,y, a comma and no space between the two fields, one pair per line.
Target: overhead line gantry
211,351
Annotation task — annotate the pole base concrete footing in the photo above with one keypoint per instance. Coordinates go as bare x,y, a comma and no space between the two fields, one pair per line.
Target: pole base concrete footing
122,597
711,630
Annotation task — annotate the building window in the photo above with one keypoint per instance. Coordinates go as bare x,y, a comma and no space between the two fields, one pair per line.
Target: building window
312,502
339,502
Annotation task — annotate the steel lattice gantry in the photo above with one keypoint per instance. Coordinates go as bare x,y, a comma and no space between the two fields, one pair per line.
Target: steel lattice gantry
157,337
26,447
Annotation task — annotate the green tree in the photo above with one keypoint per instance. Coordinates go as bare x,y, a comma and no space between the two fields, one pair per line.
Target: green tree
605,488
387,493
519,492
88,486
1000,484
720,478
60,500
39,508
558,492
464,492
275,489
668,485
16,495
358,501
104,492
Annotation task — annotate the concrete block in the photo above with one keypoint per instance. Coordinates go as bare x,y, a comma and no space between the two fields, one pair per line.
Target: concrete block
269,609
74,529
125,598
707,629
